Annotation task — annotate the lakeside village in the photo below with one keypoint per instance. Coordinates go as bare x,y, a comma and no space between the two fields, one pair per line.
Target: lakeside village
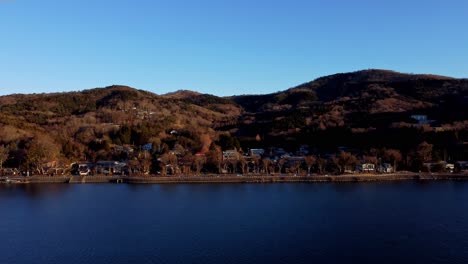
147,161
218,158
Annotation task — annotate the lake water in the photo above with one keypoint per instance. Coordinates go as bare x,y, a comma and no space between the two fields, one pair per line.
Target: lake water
405,222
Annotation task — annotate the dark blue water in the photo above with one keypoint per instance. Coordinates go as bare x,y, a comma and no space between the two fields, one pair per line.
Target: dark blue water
405,222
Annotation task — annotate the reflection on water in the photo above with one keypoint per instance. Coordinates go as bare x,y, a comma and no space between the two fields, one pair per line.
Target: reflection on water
404,222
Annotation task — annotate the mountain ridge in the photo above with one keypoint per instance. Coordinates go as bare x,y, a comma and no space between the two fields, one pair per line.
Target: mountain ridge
357,109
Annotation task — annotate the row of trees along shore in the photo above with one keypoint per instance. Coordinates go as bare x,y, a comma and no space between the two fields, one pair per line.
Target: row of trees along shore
164,160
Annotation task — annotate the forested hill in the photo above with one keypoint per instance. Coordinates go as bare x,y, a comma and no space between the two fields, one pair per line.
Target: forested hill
363,109
84,125
360,84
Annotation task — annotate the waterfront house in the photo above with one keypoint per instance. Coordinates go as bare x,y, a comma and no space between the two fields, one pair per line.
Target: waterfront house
366,167
386,168
450,167
110,167
461,166
147,147
440,166
9,172
123,148
256,152
422,119
230,155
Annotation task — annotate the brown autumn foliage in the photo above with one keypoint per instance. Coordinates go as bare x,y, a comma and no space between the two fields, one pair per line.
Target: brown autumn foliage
3,155
310,161
393,156
89,124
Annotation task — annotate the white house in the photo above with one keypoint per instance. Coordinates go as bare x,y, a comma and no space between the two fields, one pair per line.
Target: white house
366,167
230,155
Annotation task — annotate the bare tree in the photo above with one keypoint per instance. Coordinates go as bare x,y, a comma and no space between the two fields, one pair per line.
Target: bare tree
186,162
370,159
394,156
256,161
41,150
3,156
295,167
309,161
424,151
225,166
168,159
336,162
347,161
233,163
422,154
243,163
132,165
205,141
266,162
280,164
145,162
199,161
215,156
321,163
179,149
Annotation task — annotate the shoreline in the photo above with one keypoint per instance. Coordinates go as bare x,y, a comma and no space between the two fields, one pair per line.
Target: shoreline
233,178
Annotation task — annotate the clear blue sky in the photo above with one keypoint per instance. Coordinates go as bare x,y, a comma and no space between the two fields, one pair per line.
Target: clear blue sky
222,47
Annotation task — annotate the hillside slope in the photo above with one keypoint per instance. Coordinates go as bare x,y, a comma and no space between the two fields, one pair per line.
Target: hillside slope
359,109
358,101
116,115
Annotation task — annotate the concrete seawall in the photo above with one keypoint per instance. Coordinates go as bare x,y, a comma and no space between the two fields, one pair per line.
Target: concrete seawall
47,179
62,179
233,178
279,179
